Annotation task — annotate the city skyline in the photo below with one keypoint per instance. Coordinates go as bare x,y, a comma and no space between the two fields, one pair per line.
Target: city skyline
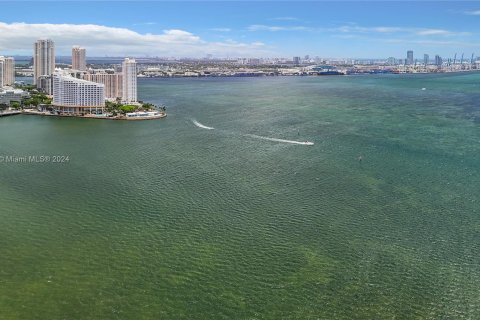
245,29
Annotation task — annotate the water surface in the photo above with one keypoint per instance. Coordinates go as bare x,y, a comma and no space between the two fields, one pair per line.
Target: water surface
166,220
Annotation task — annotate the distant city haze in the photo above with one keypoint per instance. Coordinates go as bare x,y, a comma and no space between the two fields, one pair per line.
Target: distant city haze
244,29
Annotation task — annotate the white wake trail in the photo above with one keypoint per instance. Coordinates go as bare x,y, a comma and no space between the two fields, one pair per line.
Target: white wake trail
305,143
198,124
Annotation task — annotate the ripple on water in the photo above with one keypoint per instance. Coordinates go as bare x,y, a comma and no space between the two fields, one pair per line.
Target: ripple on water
163,219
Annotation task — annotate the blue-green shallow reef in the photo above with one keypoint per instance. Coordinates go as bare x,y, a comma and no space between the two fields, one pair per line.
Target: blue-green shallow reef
165,220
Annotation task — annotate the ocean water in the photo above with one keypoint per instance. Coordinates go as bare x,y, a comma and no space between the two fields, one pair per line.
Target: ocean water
171,219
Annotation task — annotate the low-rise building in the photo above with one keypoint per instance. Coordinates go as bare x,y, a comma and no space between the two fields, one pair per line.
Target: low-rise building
7,95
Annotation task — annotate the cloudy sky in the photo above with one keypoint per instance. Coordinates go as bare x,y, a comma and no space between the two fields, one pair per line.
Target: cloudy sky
244,29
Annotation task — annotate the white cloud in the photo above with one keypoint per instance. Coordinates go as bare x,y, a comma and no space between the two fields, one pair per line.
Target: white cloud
261,27
438,32
221,29
359,29
102,40
386,29
285,19
433,43
415,31
473,13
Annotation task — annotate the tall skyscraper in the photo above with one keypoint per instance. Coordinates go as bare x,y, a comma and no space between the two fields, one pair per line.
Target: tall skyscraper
129,87
2,67
43,59
79,57
410,57
426,59
438,61
7,71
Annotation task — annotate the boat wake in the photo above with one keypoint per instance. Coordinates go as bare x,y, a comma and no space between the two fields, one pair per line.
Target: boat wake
198,124
305,143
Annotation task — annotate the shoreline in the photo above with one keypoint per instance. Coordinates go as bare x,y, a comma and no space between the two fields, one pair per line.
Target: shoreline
270,75
47,114
308,75
9,113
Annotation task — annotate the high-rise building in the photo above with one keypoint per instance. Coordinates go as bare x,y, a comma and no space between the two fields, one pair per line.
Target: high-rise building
391,61
112,81
426,59
410,57
129,87
438,61
79,57
43,59
77,96
296,60
2,67
7,71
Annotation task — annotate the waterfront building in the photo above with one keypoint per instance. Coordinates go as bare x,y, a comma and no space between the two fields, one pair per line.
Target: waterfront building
7,95
77,96
438,61
426,59
409,57
113,83
129,81
296,60
79,57
43,60
7,71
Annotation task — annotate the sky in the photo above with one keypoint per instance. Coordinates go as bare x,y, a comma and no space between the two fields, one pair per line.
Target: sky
341,29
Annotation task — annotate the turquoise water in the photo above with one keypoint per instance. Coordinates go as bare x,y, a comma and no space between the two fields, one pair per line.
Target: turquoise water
165,220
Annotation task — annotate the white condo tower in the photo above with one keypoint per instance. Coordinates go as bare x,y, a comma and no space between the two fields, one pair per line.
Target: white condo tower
129,88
